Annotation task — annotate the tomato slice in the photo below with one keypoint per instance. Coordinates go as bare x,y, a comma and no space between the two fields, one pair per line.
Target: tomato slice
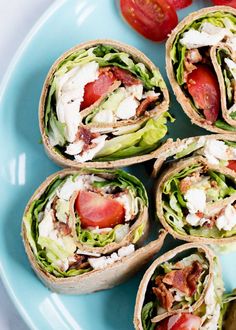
232,165
204,88
154,19
179,4
231,3
185,321
95,210
94,90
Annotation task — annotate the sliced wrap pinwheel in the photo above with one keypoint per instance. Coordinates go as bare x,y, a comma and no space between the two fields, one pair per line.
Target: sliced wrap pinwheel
84,230
104,104
201,66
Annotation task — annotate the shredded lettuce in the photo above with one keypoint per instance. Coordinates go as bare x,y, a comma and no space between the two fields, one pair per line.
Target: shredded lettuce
146,316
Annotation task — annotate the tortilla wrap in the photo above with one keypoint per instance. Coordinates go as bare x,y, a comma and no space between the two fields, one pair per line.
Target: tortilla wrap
183,98
93,279
211,208
156,113
143,287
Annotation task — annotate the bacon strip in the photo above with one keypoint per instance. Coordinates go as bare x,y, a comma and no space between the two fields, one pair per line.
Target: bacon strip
145,104
126,77
184,279
164,296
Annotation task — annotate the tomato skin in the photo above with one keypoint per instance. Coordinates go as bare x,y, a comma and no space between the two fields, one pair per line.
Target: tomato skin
94,90
154,19
180,4
185,321
231,3
232,165
95,210
203,86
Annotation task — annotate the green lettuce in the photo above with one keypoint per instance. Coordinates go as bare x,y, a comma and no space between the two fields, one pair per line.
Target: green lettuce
147,315
137,143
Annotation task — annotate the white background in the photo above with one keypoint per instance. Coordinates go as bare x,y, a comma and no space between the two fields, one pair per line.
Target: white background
16,19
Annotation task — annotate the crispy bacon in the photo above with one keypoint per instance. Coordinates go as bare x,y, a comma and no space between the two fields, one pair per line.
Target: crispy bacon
192,57
143,106
184,279
86,135
79,263
63,228
125,76
164,296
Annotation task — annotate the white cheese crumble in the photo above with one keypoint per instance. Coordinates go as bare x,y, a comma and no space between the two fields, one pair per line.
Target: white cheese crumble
208,35
91,153
46,225
127,108
104,116
70,92
194,220
74,148
102,262
227,220
214,151
196,200
127,201
135,91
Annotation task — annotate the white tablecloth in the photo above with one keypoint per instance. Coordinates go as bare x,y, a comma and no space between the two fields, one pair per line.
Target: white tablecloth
16,19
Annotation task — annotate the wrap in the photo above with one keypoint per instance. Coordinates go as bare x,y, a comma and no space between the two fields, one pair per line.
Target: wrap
185,280
103,104
196,194
83,231
205,39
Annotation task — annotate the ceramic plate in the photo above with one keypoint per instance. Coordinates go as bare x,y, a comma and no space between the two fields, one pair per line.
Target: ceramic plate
24,164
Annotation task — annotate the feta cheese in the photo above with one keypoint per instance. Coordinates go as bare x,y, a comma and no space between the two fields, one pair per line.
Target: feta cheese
126,250
90,153
102,262
127,201
214,151
232,66
104,116
135,91
227,220
208,35
74,148
69,187
196,200
69,94
46,225
127,108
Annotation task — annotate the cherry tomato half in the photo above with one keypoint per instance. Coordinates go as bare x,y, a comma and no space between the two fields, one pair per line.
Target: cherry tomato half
94,90
154,19
204,88
231,3
95,210
179,4
183,321
232,165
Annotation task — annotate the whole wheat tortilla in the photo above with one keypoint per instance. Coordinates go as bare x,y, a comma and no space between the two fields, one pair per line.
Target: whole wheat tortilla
181,98
96,279
160,109
220,77
148,274
174,168
169,148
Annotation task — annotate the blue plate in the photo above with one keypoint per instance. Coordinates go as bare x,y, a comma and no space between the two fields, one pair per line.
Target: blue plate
24,164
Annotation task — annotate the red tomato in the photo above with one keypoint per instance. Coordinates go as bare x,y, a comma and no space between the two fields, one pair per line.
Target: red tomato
232,165
94,90
204,88
154,19
96,210
183,321
231,3
179,4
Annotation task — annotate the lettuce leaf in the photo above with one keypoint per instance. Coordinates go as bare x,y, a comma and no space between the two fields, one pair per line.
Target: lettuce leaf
140,142
147,315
